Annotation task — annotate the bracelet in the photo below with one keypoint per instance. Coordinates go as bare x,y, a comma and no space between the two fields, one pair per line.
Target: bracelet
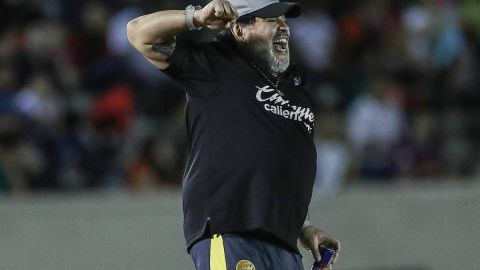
189,10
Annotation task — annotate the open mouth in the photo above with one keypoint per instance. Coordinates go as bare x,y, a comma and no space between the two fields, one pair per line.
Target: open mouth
280,44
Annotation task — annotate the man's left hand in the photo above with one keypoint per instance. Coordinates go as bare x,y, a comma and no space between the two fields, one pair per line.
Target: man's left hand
311,238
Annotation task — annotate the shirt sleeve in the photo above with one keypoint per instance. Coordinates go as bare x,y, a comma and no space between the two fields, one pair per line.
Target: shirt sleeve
192,65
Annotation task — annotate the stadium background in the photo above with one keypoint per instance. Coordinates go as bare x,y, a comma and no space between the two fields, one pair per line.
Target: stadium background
92,140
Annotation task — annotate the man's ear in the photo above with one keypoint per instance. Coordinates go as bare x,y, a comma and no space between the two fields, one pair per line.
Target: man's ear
238,32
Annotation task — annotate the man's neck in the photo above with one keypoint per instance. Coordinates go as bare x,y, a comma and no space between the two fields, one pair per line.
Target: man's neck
251,58
265,69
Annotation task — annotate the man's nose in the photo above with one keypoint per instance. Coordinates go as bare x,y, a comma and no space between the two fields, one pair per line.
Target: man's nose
283,26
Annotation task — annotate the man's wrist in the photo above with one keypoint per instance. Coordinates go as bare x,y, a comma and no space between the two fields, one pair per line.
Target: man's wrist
196,18
190,17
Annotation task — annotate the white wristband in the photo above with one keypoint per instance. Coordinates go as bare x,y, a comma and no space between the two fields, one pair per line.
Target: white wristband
189,10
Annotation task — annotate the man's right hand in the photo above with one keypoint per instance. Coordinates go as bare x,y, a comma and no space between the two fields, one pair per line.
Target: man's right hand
218,14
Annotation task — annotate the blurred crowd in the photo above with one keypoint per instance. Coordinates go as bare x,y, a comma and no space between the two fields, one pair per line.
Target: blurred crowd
396,86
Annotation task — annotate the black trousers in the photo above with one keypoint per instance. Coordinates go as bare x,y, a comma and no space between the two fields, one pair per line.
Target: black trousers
234,252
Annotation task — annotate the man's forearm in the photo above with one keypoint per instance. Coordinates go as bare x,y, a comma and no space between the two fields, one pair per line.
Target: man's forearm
153,35
156,27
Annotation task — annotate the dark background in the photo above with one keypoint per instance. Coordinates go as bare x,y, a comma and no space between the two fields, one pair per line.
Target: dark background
396,86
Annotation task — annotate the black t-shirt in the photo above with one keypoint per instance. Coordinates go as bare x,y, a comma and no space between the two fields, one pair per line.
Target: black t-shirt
252,160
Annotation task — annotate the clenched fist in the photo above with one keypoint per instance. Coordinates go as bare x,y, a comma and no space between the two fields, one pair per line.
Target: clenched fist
218,14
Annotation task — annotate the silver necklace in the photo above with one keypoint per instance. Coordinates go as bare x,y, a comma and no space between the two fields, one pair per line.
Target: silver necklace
274,85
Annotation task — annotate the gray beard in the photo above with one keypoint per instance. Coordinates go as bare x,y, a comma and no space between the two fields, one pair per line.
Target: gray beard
264,56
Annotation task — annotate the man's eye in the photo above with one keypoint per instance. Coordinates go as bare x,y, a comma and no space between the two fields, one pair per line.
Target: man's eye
275,20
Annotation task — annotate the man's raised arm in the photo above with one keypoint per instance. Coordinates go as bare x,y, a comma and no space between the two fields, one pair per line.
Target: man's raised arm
153,35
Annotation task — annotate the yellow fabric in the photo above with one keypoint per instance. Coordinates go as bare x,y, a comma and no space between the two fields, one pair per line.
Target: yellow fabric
217,253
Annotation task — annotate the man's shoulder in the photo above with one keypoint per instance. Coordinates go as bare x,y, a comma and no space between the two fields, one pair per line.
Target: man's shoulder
215,44
214,51
219,46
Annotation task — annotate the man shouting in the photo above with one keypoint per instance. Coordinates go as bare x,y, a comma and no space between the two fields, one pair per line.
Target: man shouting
251,168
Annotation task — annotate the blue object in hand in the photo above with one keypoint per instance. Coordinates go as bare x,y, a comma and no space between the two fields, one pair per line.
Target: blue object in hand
327,257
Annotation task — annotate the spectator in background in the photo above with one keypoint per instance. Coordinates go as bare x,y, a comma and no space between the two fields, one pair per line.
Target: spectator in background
418,23
333,154
375,123
111,117
21,163
449,42
314,37
39,101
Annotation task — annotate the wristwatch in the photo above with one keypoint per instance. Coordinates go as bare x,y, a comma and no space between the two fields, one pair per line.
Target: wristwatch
189,10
